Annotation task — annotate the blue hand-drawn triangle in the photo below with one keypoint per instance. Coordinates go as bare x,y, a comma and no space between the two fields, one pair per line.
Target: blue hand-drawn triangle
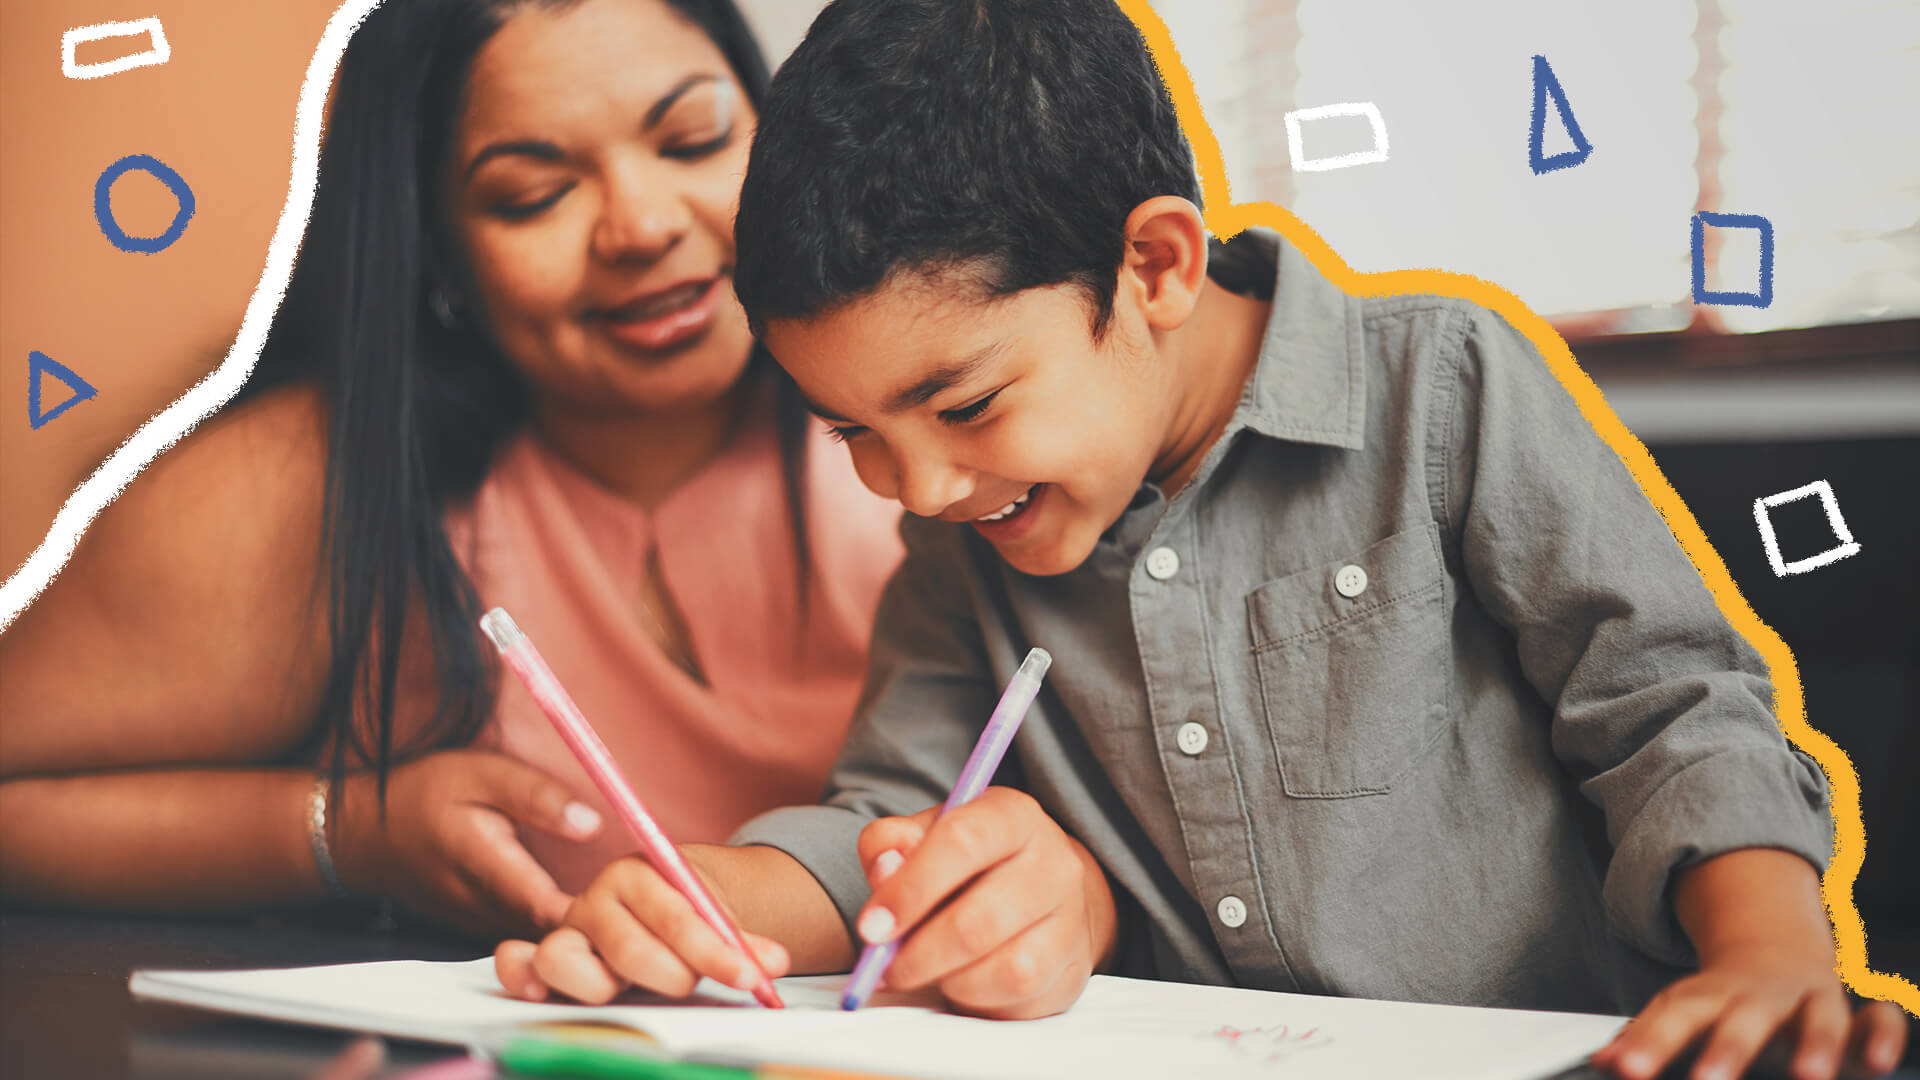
38,364
1545,83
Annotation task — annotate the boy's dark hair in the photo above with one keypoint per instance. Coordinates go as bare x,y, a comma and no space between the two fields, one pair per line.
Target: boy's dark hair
1006,139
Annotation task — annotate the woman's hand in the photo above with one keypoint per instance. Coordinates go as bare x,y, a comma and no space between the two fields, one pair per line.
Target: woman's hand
998,907
447,849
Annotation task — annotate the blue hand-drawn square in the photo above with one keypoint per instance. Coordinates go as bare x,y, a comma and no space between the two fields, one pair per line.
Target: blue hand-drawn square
1704,295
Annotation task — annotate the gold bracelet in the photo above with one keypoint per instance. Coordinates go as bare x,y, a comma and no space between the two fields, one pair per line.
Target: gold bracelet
317,836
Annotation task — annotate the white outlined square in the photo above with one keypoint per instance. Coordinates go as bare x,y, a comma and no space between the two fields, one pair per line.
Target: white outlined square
1302,163
1838,524
157,51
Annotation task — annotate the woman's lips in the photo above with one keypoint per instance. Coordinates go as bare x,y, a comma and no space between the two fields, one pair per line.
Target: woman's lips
667,318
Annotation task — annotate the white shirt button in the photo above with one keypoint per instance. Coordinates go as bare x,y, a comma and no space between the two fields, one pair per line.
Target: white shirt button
1192,739
1350,581
1232,911
1162,563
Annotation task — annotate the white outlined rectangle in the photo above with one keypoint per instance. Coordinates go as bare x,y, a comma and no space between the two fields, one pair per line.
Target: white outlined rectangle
1838,524
157,51
1302,163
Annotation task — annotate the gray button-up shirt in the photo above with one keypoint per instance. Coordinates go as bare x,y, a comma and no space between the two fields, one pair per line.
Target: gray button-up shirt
1409,694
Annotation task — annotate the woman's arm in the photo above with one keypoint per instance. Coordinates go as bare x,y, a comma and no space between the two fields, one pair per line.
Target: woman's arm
190,625
186,840
207,840
184,633
152,699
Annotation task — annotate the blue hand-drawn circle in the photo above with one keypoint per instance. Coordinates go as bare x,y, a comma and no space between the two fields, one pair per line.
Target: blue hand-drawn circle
103,205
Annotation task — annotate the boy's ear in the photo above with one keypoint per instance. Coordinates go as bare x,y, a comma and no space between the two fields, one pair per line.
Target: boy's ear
1166,259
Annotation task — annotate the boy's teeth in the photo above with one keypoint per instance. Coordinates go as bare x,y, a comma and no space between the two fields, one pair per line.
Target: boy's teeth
1010,507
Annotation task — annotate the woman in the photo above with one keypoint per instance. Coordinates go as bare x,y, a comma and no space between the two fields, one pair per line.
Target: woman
509,370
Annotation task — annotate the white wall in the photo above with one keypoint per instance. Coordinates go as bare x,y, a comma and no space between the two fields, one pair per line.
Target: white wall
780,24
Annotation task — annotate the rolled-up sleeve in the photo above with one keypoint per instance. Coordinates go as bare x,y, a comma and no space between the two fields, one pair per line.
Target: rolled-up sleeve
928,694
1661,712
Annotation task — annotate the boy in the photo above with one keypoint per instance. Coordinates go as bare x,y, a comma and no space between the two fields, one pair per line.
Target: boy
1375,673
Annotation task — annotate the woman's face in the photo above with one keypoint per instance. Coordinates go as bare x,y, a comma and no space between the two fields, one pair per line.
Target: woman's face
595,171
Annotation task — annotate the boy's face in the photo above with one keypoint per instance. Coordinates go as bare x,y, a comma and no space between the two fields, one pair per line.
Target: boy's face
1003,414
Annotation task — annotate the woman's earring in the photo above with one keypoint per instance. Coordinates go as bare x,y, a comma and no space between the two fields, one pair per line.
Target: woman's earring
442,307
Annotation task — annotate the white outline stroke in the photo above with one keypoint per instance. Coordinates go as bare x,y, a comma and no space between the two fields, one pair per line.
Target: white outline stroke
1837,523
157,52
1302,163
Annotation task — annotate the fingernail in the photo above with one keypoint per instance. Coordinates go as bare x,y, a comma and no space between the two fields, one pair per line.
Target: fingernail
886,864
1711,1072
581,819
876,925
734,975
1636,1065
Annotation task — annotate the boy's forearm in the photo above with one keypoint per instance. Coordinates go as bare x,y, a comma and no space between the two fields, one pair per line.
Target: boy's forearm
179,841
1751,898
772,894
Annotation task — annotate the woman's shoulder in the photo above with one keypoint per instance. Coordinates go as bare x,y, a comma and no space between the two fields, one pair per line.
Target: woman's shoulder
200,583
247,480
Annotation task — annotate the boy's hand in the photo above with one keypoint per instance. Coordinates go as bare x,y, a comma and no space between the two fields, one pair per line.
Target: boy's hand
1003,911
1766,979
447,848
632,928
1737,1007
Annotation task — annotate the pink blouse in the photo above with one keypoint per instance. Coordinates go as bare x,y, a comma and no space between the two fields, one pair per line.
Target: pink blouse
567,559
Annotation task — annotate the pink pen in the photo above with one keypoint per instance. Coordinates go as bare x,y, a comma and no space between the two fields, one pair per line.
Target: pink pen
518,651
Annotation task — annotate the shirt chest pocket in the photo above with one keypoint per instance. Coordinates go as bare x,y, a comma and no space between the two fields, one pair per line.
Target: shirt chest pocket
1354,666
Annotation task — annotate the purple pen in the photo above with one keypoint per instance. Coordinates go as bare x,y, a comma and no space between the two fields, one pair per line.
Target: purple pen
974,778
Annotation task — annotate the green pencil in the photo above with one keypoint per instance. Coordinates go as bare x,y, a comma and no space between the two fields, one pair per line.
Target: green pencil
554,1059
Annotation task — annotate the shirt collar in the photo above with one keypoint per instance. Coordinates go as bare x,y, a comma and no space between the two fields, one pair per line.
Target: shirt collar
1309,383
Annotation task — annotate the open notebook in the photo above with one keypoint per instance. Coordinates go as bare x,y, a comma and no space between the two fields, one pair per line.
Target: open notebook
1119,1028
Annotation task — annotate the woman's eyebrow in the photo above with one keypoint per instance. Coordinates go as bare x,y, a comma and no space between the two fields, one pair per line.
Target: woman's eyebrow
533,148
659,110
545,151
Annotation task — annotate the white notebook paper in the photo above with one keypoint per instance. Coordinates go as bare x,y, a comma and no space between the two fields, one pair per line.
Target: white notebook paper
1119,1028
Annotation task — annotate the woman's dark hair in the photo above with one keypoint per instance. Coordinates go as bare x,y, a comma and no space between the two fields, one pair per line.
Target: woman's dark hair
416,408
1005,139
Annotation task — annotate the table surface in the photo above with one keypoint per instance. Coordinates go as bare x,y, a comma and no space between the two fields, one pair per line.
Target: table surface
65,1010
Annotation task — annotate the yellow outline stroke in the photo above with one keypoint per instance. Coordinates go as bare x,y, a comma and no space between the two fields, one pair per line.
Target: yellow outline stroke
1227,219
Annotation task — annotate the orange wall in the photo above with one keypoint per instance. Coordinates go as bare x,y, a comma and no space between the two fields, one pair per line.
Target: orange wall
140,328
